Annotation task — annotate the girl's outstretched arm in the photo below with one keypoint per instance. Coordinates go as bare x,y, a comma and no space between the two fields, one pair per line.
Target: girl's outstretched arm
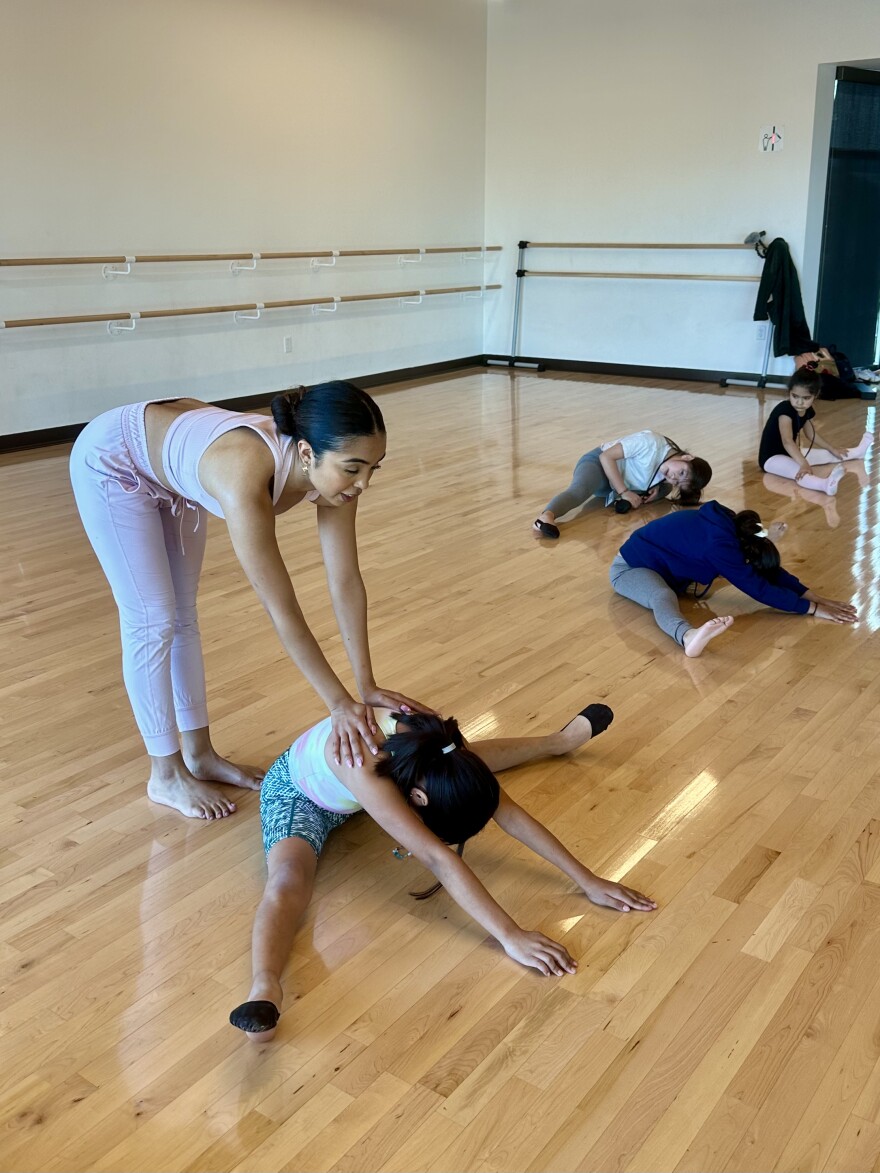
382,800
511,818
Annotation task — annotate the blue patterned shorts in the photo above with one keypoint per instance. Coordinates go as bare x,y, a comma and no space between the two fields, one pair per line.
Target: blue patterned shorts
287,813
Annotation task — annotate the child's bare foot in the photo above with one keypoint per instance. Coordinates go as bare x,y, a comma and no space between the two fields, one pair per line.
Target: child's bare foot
187,794
589,723
210,767
259,1016
696,639
776,530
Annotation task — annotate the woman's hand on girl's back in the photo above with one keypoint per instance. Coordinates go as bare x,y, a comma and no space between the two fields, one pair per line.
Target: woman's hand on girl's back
540,953
353,736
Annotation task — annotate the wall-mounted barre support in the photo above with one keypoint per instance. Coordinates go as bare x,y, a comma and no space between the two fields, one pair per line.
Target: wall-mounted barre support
320,308
118,270
317,263
408,259
123,327
247,316
236,267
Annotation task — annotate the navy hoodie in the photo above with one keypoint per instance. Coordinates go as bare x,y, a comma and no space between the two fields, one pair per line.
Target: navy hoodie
699,545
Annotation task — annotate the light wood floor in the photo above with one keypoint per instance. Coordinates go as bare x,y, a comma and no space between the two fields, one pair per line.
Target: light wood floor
738,1027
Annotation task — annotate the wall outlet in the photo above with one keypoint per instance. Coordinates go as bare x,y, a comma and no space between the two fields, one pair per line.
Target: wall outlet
288,345
760,333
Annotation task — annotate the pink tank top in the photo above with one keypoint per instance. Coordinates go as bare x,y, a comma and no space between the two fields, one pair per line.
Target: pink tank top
192,432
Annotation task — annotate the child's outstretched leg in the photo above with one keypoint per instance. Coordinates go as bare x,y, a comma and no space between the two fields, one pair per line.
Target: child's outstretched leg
292,866
861,449
784,466
503,753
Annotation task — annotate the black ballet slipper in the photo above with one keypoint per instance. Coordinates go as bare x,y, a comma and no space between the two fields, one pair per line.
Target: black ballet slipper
546,529
599,716
255,1017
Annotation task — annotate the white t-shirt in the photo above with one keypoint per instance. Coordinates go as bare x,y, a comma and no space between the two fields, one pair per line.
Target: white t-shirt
643,453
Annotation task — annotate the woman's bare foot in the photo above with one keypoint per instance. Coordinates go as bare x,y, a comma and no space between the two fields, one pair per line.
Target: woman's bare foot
696,639
210,767
259,1016
188,795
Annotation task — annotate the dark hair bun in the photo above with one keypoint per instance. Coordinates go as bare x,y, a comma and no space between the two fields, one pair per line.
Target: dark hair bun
284,409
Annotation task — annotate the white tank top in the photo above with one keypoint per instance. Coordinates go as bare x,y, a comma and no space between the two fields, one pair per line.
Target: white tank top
191,434
308,769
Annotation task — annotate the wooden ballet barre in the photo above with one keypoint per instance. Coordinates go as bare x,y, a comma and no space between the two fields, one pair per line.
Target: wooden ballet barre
189,311
624,244
302,254
645,276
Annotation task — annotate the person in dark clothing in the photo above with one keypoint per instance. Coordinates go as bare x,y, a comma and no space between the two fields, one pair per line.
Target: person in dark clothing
780,451
663,559
779,298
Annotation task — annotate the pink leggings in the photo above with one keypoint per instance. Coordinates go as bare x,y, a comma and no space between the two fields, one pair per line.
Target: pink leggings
150,543
784,466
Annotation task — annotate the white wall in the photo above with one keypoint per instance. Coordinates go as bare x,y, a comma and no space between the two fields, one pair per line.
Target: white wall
222,125
639,121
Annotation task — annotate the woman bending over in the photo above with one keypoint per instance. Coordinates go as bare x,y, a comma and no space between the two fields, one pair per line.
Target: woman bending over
145,476
629,473
660,561
428,789
781,452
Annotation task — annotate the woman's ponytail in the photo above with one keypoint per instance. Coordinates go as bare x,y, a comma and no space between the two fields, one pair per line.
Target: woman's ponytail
284,409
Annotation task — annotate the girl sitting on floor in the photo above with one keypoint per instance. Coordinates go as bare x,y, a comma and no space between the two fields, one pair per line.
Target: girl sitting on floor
428,789
663,559
780,451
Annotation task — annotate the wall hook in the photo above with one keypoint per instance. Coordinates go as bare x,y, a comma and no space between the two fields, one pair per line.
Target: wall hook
124,327
110,271
409,260
246,316
327,309
318,263
236,267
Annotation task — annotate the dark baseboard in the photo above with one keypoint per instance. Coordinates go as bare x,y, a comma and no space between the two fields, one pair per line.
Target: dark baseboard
691,374
69,432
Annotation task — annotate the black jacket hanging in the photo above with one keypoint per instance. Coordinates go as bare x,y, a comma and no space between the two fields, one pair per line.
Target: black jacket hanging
779,298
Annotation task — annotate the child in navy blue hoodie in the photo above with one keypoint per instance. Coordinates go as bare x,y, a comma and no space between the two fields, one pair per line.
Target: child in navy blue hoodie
663,559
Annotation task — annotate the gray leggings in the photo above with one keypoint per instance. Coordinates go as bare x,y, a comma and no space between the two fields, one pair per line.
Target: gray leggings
588,480
648,589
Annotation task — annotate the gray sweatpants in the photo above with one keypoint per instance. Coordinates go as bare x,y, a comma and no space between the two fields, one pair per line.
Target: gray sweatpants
588,480
648,589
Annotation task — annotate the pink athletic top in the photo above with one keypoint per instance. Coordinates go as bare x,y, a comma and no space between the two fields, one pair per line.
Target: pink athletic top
192,432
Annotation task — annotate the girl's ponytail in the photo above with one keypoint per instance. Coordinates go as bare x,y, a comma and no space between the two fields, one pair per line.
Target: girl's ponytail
431,755
758,551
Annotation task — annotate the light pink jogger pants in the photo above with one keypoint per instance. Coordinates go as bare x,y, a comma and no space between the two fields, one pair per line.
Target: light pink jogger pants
150,543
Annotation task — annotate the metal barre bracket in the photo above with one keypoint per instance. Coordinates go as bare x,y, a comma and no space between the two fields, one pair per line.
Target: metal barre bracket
124,327
236,267
327,309
317,263
412,300
246,316
110,271
404,260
